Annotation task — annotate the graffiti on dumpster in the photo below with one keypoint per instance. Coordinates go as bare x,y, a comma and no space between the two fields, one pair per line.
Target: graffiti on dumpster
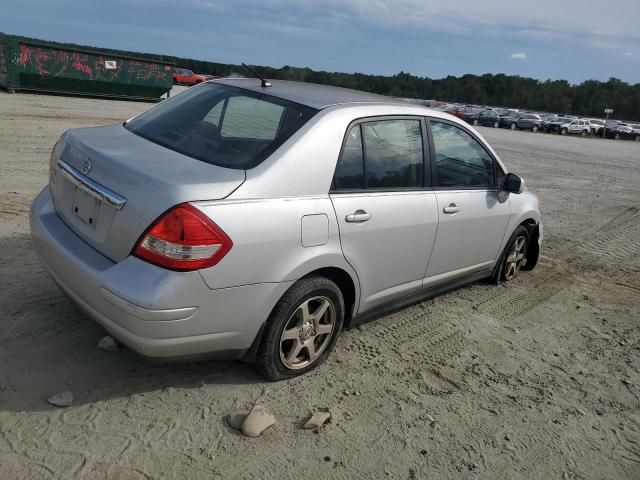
61,63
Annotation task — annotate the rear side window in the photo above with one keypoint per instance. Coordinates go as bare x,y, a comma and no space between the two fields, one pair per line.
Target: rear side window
350,168
461,162
381,155
222,125
394,155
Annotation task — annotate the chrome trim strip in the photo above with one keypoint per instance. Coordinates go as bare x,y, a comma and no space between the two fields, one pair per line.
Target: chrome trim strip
92,188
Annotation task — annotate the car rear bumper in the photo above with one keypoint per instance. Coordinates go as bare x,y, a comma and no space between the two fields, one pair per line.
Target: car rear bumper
154,311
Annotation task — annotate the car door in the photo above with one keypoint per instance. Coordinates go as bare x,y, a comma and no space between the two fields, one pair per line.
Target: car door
473,217
386,216
574,126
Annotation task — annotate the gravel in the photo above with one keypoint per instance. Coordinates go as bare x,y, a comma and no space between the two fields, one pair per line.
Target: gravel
568,414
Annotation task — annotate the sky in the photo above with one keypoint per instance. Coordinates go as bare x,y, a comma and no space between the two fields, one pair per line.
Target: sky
557,39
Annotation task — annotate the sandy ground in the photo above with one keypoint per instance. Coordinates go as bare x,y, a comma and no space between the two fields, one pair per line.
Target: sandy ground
539,378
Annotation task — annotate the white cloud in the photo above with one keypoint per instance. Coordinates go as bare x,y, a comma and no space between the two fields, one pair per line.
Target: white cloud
518,56
628,54
544,20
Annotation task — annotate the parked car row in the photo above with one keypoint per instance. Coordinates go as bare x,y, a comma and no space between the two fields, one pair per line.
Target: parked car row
515,119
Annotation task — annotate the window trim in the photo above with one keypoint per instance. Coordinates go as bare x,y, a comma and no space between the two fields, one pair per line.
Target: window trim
426,156
434,166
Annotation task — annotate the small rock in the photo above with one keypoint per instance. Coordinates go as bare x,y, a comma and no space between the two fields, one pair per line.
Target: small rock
258,420
108,344
61,399
327,458
317,420
235,420
431,420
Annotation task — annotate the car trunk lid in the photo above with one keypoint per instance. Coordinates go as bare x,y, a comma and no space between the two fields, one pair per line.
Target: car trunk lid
109,185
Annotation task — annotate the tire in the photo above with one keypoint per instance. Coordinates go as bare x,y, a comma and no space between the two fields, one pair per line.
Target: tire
508,267
475,122
534,129
636,138
616,136
496,124
513,126
584,133
564,131
277,357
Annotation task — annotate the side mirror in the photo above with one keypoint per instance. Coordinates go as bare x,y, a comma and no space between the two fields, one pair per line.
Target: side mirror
513,184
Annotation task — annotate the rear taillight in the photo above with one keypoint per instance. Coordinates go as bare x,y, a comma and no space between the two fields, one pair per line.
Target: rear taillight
183,239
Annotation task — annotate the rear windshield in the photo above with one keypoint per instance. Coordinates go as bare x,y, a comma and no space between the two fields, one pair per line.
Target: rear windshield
222,125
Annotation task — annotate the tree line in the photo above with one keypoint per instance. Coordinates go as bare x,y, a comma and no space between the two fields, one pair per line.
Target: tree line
588,98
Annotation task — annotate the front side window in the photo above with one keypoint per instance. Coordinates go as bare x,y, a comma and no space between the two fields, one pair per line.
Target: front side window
461,162
222,125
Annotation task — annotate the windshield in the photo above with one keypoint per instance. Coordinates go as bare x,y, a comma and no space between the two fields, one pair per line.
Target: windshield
222,125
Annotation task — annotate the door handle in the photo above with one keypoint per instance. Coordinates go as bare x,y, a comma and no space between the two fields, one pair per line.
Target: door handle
452,208
359,216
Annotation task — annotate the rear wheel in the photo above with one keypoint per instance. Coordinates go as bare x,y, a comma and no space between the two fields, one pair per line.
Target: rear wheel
636,138
584,133
513,126
302,329
534,129
514,256
496,124
563,131
616,136
475,122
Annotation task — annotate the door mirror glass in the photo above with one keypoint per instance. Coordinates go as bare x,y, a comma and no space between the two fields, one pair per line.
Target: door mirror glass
513,184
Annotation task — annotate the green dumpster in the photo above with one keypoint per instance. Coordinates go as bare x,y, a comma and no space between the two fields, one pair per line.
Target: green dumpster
43,67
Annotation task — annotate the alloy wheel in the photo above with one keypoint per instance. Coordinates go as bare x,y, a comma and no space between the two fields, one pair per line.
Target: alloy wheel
515,258
307,333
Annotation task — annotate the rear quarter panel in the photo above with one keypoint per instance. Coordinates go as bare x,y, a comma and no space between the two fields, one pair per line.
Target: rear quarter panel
267,241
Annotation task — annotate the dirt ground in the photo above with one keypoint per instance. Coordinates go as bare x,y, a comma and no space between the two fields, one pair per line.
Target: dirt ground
536,379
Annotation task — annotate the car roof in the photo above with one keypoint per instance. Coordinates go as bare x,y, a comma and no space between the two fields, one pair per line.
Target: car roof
310,94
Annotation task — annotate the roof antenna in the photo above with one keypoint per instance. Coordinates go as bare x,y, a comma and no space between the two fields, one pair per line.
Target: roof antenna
264,82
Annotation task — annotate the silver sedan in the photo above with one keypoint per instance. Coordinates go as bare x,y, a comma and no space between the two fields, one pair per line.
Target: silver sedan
255,222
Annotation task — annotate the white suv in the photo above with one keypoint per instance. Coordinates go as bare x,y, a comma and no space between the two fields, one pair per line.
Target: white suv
581,127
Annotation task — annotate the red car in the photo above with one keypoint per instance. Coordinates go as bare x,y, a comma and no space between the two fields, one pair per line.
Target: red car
182,76
456,110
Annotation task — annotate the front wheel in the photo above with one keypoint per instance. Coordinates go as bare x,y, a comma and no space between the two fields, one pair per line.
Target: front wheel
534,129
636,138
564,131
513,257
302,329
616,136
513,126
496,124
475,122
